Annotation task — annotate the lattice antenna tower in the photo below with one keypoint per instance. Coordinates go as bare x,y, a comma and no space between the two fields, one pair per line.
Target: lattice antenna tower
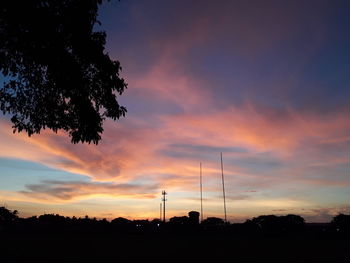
164,200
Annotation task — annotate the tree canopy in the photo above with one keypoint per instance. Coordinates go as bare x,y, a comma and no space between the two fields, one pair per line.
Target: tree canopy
7,215
57,72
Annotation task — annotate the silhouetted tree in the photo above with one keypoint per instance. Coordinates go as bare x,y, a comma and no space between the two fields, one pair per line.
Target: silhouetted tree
121,224
156,224
7,216
58,75
267,223
120,221
179,220
342,223
292,223
156,221
142,225
277,224
51,219
213,221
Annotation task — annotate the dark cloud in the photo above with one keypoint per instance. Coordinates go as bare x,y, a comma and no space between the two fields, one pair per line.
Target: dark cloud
257,163
245,195
237,197
324,214
67,190
271,52
282,210
206,148
193,151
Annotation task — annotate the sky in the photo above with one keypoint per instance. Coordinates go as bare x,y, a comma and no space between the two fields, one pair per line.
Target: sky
264,82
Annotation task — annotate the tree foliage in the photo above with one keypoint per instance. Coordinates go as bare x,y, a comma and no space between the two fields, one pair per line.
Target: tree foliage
277,224
58,74
7,216
342,222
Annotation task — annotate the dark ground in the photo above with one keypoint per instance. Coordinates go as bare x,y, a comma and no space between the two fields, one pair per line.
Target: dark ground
171,247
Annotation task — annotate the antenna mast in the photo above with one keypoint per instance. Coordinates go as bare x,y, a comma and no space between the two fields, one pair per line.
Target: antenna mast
223,186
201,189
164,199
160,211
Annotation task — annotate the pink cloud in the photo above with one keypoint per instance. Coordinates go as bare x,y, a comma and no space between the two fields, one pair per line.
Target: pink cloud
134,150
260,128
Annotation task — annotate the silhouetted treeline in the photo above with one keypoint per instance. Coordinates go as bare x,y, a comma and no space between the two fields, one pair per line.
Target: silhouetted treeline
263,225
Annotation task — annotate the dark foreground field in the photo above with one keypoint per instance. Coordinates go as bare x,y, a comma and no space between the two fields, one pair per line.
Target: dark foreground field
171,248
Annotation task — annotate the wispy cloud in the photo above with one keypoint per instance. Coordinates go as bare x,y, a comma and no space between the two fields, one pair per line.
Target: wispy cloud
69,191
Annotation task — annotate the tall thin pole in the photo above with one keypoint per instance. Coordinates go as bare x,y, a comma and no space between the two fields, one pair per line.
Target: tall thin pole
160,211
164,199
223,186
200,176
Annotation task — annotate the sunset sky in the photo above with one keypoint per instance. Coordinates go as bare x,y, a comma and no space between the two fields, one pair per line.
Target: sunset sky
264,82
